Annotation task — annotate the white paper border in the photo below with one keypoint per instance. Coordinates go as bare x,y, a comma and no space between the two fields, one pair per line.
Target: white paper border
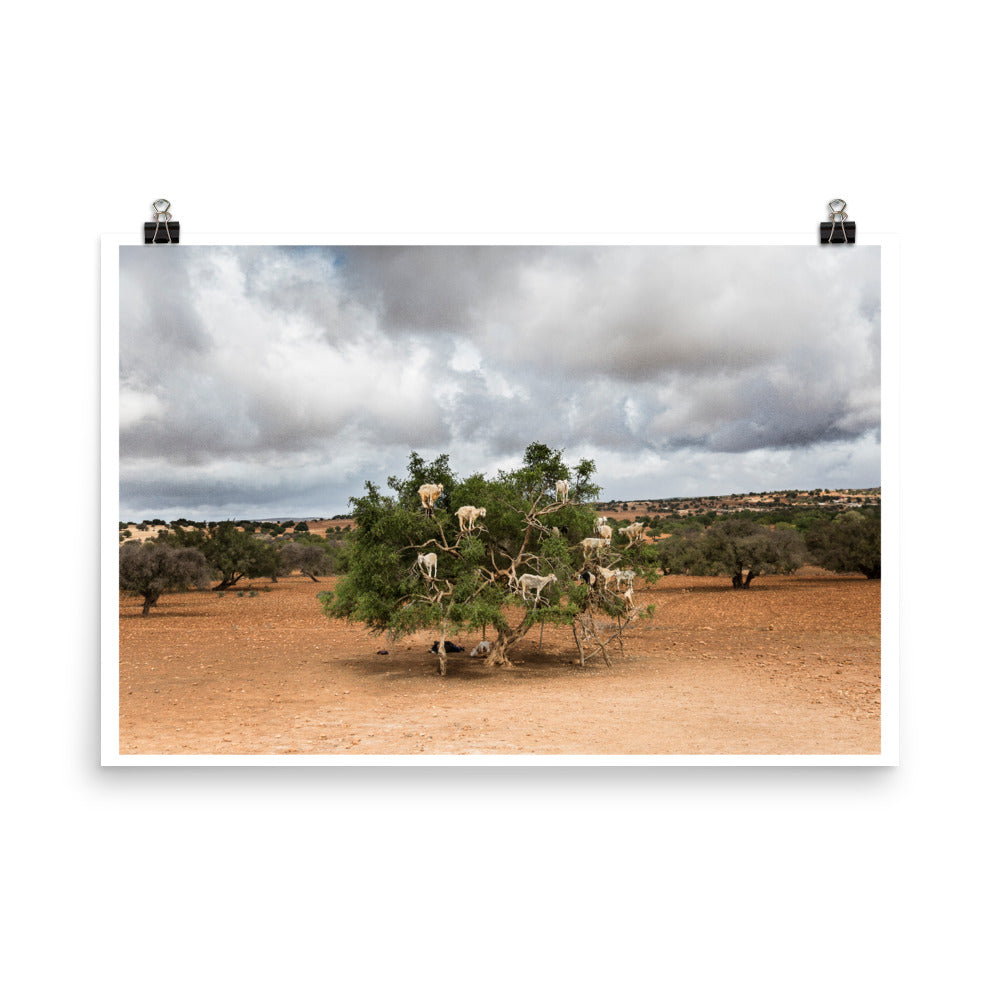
890,454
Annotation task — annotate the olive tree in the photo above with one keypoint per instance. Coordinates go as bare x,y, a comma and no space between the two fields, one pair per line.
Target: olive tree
477,576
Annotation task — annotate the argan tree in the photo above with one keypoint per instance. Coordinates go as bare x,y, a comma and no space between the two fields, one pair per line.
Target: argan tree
149,569
738,547
850,543
312,560
476,582
234,555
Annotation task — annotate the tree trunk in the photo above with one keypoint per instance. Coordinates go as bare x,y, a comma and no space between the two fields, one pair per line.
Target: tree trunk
506,639
442,654
147,603
226,584
579,645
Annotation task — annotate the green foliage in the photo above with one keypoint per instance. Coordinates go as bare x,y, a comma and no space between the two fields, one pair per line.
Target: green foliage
312,560
525,531
419,472
850,543
738,547
234,554
150,569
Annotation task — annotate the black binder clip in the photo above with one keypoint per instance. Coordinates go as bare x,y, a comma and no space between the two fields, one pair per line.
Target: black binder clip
828,232
162,230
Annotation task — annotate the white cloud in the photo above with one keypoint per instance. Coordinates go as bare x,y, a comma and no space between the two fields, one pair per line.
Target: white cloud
679,369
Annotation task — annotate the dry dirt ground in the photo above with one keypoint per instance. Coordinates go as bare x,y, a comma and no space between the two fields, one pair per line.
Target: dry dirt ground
790,666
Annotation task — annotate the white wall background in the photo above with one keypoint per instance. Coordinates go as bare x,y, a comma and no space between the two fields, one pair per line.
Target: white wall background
465,117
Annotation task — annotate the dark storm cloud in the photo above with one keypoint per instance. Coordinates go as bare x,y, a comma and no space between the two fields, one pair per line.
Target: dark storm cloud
434,288
247,369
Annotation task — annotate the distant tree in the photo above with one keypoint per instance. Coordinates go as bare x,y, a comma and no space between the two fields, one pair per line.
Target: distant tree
302,526
850,543
739,547
233,554
149,569
310,560
340,555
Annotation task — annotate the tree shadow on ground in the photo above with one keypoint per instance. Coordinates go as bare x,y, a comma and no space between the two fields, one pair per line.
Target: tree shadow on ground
411,664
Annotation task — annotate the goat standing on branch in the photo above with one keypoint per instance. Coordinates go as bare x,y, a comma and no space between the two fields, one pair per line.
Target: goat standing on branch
594,544
427,563
562,490
529,581
429,494
467,517
634,531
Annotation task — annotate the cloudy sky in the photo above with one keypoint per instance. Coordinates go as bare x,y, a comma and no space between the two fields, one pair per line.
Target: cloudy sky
273,381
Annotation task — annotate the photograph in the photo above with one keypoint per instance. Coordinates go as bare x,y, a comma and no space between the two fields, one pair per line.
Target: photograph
532,502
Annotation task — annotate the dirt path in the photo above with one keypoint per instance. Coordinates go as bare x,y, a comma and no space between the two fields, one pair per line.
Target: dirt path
790,666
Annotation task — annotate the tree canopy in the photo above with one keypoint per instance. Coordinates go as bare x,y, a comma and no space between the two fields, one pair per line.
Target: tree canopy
487,575
850,543
234,554
738,547
149,570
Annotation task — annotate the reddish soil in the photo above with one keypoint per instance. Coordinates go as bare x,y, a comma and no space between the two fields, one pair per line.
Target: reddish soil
790,666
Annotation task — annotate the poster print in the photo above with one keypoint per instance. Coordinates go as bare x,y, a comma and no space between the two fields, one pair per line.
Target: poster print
546,503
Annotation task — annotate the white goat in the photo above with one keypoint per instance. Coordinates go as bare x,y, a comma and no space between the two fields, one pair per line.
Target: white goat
482,649
427,563
529,581
467,517
605,530
633,532
606,575
624,576
429,494
592,544
629,597
562,490
599,522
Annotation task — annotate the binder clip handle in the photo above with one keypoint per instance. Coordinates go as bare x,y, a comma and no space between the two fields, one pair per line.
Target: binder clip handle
838,216
162,217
